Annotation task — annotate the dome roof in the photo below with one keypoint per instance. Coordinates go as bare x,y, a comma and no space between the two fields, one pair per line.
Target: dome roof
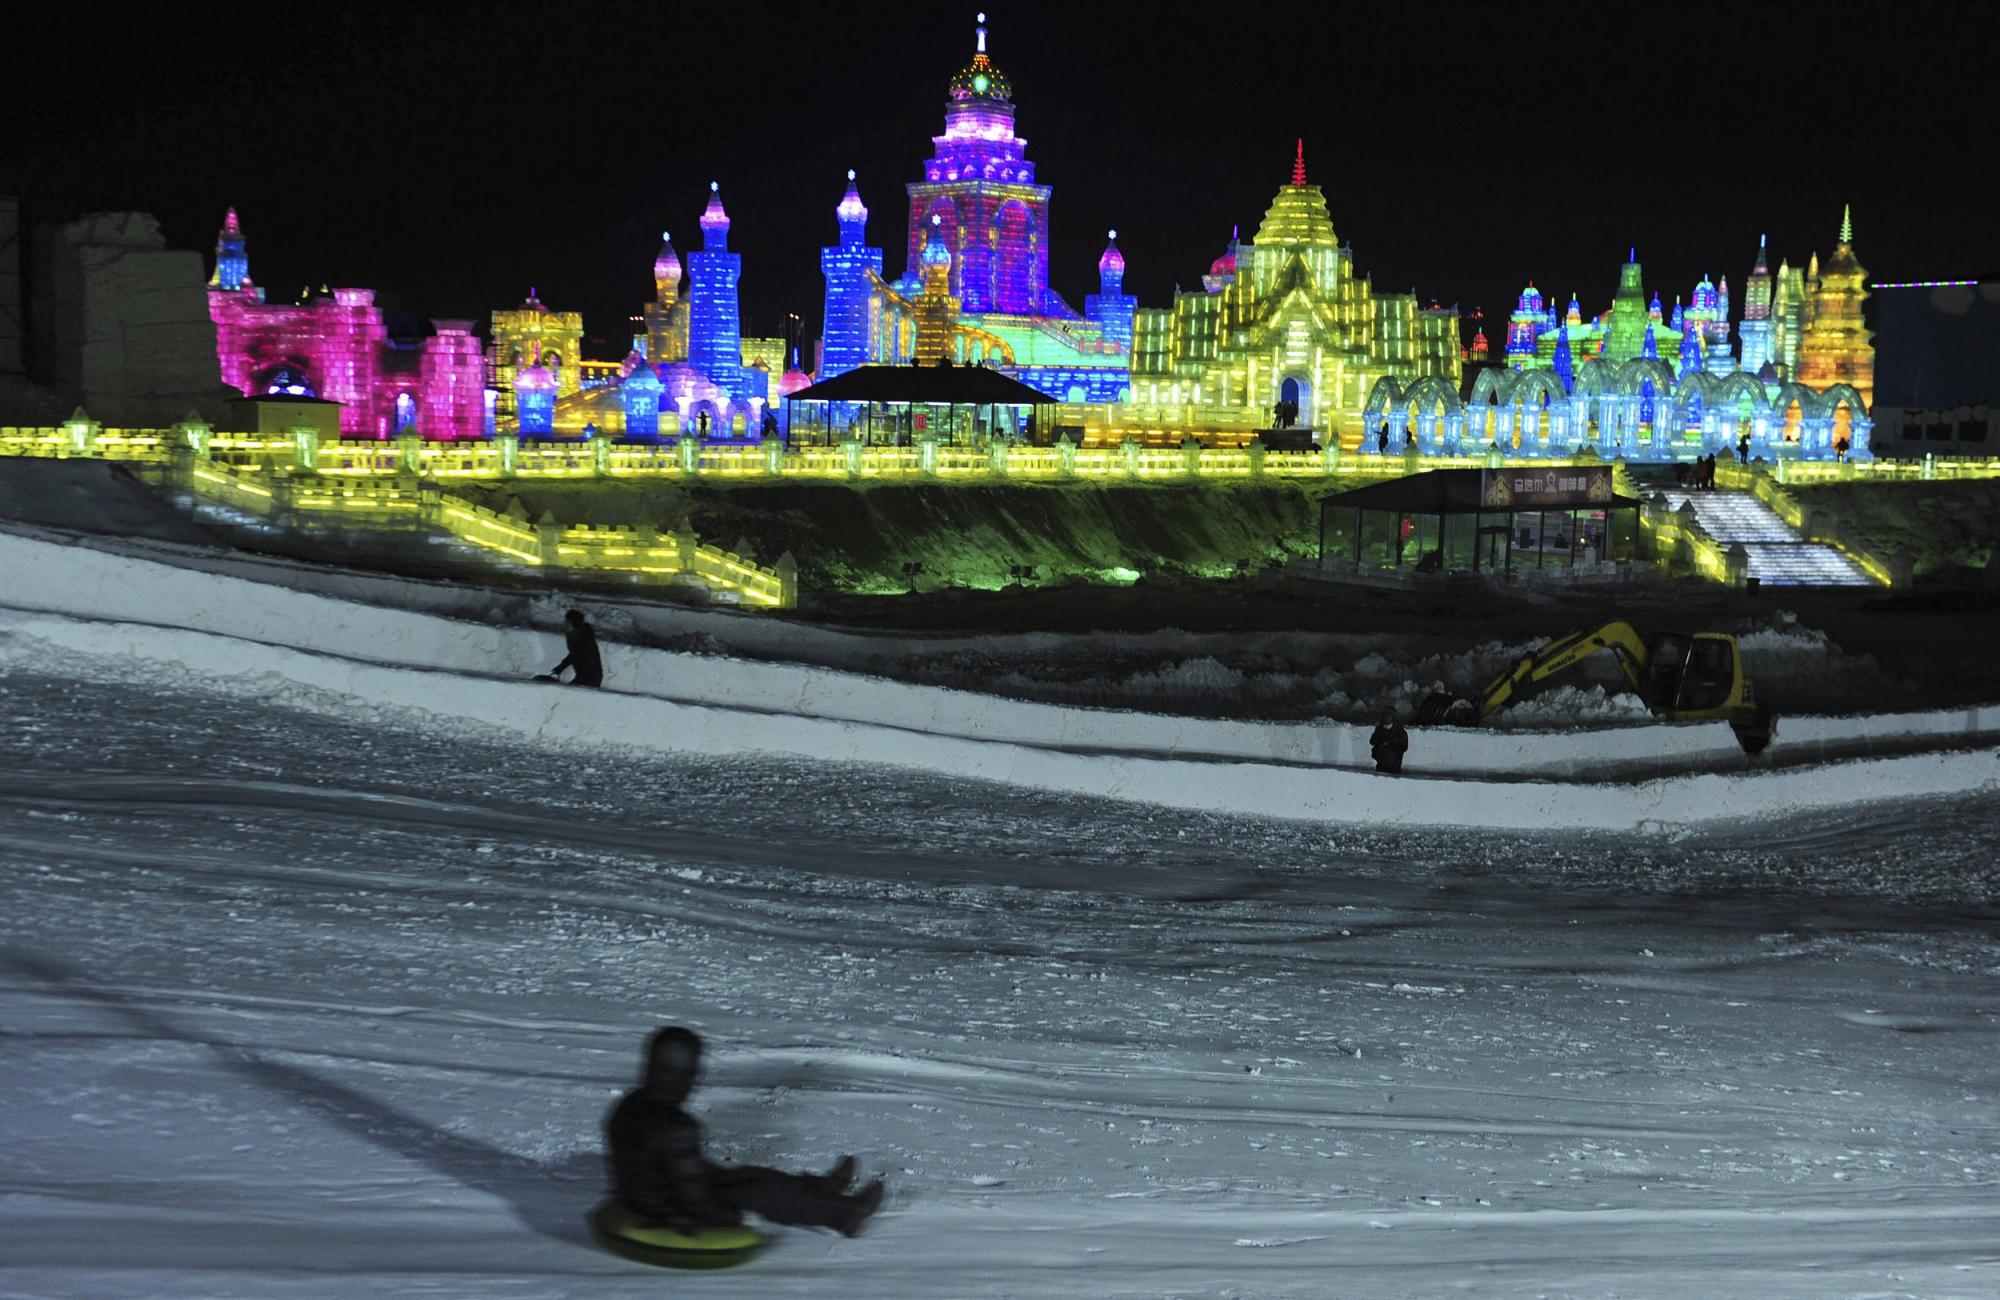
851,208
1113,261
979,79
935,254
1224,265
792,381
643,377
667,266
714,217
1531,298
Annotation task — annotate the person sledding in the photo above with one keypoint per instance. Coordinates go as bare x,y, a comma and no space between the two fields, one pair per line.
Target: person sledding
581,640
667,1195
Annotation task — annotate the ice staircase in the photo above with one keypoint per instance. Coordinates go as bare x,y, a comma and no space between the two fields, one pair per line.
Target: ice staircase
1779,557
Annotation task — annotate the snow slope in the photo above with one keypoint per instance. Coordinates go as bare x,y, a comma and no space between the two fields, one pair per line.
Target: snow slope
307,1007
716,704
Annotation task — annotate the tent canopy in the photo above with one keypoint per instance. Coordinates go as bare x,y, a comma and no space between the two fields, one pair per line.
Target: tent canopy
933,385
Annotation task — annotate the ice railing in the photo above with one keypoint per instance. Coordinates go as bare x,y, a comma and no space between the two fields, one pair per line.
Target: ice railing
1814,525
286,498
508,457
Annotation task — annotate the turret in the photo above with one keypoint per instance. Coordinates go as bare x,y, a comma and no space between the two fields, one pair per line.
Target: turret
1523,327
1690,358
936,260
937,307
850,269
640,396
715,330
981,181
715,222
1757,330
1111,307
535,397
666,272
1111,266
852,215
232,257
1563,363
1222,271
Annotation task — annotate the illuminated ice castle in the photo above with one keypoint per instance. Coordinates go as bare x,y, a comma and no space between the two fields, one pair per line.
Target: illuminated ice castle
1284,318
336,346
691,371
1632,382
980,204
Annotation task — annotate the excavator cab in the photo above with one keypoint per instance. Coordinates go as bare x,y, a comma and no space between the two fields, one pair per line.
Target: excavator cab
1695,677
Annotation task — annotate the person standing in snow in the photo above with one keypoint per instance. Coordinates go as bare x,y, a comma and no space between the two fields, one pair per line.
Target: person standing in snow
582,641
660,1175
1389,742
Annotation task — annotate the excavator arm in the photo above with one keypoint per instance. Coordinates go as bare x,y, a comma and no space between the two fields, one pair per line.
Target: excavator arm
1565,653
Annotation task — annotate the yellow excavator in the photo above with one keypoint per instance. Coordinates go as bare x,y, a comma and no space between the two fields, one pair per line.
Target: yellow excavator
1682,676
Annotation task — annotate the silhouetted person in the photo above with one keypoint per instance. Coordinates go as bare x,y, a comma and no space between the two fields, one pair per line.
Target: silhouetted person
659,1174
582,657
1382,441
1840,446
1389,742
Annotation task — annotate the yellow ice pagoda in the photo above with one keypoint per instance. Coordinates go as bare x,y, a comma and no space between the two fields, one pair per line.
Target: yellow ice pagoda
1836,346
1284,321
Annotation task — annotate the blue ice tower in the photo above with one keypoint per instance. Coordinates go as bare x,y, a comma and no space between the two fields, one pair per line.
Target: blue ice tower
232,259
715,325
1111,307
847,267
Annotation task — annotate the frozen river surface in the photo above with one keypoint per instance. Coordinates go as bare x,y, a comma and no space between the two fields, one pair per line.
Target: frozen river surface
294,1007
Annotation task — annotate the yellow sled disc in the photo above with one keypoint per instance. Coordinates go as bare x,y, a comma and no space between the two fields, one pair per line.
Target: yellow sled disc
698,1248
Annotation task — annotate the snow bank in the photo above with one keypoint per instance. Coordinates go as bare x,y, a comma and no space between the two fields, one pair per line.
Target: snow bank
608,720
1787,652
90,583
735,706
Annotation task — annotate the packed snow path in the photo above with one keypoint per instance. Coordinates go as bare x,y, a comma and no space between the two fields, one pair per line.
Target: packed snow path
1779,557
304,1008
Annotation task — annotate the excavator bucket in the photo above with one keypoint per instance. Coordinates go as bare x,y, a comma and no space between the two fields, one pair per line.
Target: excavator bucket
1443,709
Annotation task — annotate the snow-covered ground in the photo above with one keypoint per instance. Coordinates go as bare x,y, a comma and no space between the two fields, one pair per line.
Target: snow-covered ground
304,1006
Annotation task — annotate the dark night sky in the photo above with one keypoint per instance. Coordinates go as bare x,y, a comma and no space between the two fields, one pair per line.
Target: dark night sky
450,156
